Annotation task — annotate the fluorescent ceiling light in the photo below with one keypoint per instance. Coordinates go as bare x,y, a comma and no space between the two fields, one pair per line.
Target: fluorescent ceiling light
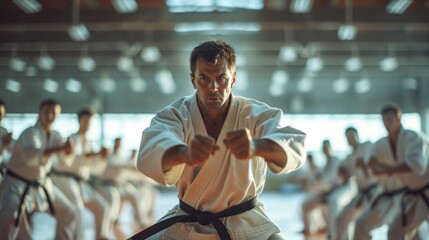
388,64
107,84
50,85
398,6
177,6
13,85
150,54
275,91
353,64
46,62
301,6
30,71
347,32
242,80
211,26
28,6
73,85
362,86
79,32
305,85
314,64
86,64
138,84
288,54
125,6
280,78
125,63
17,64
340,85
165,81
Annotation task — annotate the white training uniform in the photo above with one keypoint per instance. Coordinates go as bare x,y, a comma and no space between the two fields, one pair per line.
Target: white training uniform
223,180
5,150
367,185
28,162
388,209
72,178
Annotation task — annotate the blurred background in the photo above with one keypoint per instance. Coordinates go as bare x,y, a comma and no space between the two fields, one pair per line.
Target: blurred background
328,64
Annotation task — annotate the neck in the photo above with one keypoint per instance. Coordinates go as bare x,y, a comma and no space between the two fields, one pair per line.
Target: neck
216,116
394,134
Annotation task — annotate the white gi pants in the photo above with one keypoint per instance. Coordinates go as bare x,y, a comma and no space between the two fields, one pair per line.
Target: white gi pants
11,192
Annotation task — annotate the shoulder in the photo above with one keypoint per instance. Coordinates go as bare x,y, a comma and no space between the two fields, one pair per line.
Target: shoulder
181,104
255,107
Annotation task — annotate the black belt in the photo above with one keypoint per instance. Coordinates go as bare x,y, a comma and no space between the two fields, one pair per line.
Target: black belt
367,193
419,192
29,183
388,194
203,218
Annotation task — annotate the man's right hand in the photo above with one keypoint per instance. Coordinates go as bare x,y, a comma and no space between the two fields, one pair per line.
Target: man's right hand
200,149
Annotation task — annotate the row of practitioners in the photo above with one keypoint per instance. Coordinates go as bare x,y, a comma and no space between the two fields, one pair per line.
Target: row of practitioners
386,182
46,172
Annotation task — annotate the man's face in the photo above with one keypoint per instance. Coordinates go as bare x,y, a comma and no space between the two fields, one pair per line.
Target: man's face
352,138
391,122
213,82
84,122
48,113
2,112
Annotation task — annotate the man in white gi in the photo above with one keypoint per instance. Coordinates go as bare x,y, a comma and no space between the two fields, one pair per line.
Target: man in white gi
6,141
72,178
216,148
367,184
26,187
401,156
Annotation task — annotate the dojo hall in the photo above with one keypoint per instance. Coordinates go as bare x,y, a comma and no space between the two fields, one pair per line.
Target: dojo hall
118,114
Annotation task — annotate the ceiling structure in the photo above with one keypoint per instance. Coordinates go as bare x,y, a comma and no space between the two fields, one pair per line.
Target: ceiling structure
37,46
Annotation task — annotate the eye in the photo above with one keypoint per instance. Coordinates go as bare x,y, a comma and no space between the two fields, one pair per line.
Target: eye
203,78
222,79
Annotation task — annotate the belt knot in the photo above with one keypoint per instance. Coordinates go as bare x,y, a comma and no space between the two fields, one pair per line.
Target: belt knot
204,218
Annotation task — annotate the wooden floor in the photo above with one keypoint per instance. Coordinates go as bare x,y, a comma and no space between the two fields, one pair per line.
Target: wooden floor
282,207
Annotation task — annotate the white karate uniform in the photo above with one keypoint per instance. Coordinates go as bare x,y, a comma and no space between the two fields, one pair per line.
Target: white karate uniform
411,149
72,178
5,150
223,181
368,188
28,162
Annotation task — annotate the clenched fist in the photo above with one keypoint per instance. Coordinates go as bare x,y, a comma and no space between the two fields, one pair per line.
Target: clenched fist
200,149
240,143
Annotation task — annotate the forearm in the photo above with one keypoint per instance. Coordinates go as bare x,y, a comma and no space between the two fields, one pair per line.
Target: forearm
52,150
270,151
398,169
174,156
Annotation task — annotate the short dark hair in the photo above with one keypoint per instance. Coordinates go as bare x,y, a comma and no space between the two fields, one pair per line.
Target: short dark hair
351,129
211,51
2,103
86,111
48,102
391,108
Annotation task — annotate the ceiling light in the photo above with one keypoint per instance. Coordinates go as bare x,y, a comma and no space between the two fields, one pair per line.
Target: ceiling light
214,27
46,63
305,85
410,84
241,82
17,64
353,64
314,64
79,32
288,54
165,81
388,64
13,85
125,63
280,78
340,85
301,6
125,6
347,32
150,54
30,71
398,6
107,84
362,86
275,91
28,6
138,84
50,85
86,64
73,85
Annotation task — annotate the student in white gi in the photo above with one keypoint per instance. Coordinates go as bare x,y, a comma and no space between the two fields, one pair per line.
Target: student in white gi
216,148
6,141
367,184
404,155
72,178
26,187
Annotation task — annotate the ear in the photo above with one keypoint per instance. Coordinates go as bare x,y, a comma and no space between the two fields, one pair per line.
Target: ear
233,79
192,75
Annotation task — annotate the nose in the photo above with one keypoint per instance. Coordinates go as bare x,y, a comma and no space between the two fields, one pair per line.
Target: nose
214,85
